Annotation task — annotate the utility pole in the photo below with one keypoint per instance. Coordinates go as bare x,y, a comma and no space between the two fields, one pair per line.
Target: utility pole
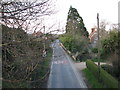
44,36
44,50
98,46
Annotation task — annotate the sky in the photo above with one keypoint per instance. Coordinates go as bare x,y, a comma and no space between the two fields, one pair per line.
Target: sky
87,9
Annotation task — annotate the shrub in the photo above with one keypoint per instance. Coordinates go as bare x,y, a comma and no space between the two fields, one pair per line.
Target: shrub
76,44
111,50
21,56
107,68
68,42
94,50
106,78
82,57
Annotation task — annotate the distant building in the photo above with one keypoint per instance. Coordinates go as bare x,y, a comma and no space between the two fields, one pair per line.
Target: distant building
37,34
93,37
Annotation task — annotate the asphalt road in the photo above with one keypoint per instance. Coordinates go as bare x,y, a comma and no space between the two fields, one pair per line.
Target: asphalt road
63,73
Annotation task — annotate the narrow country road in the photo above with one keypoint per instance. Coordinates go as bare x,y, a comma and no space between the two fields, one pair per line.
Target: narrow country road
63,73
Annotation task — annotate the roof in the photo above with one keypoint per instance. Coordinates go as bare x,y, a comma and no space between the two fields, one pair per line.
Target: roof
39,33
93,32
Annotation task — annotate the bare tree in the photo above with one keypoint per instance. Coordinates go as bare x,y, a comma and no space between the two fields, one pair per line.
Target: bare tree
25,15
114,27
21,14
103,32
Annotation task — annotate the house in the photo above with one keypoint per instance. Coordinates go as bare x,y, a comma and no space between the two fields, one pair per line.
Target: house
93,37
37,34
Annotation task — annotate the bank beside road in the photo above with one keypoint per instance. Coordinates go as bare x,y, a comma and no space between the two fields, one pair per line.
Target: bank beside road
70,54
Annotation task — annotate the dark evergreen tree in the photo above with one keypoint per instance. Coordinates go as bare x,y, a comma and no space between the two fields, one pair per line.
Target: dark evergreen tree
75,23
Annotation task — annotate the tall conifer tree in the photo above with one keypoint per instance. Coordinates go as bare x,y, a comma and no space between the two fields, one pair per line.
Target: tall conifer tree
75,23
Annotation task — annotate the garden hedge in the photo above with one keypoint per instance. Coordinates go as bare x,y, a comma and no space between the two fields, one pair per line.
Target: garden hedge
105,77
108,68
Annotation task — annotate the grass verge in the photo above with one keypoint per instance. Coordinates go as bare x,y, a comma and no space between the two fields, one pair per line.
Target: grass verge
94,83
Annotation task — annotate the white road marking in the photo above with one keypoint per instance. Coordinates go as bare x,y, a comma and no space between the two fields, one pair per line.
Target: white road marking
60,62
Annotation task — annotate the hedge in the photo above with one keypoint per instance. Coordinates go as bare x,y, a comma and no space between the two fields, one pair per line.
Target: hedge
92,67
105,77
108,68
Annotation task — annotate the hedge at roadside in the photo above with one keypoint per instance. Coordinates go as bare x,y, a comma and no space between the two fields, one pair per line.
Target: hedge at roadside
106,78
107,68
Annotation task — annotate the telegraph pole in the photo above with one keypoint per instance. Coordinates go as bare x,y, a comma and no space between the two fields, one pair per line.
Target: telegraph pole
44,50
44,36
98,46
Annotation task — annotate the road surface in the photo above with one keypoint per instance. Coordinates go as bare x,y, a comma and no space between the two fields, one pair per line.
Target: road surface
63,73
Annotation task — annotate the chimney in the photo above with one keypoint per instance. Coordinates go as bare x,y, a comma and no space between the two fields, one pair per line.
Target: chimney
93,29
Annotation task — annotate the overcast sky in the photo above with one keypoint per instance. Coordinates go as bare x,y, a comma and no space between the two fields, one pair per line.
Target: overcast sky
88,9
